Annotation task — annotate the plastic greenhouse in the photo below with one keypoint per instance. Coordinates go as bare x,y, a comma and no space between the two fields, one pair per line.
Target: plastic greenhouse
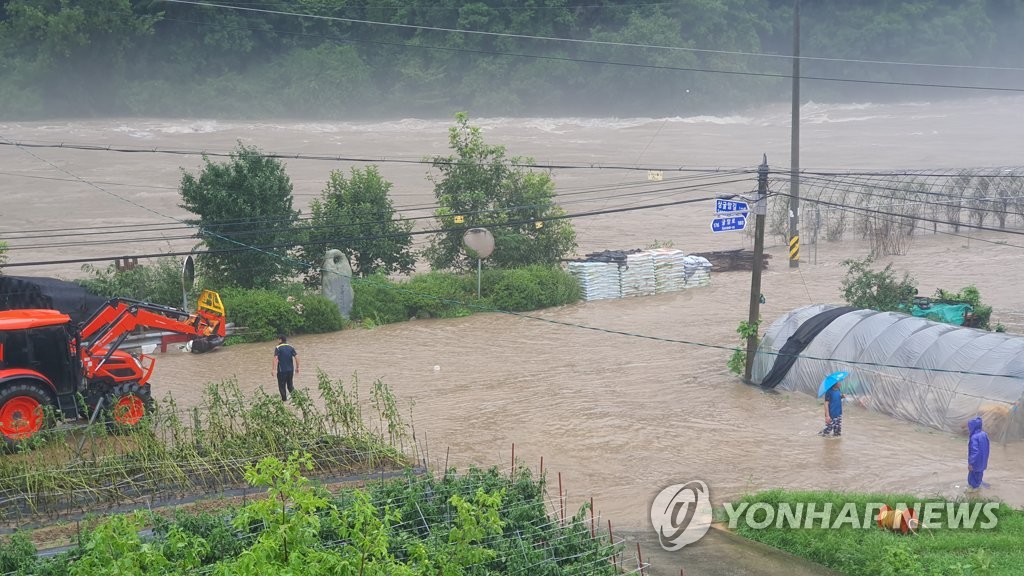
935,374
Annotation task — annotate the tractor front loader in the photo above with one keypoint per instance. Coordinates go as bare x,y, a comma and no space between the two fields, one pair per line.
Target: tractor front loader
47,363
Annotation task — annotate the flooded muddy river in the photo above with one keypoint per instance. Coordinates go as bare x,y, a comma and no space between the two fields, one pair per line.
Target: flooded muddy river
619,416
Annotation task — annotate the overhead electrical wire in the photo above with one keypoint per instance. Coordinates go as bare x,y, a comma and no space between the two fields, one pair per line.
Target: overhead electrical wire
375,237
161,227
355,159
591,42
249,232
908,217
616,63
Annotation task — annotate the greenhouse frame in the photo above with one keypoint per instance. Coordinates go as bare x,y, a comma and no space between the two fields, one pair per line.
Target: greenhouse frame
931,373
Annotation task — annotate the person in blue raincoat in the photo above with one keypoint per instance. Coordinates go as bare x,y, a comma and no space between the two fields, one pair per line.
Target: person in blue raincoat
833,412
977,453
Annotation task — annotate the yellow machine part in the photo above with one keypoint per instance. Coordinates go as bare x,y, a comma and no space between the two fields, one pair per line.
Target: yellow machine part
210,301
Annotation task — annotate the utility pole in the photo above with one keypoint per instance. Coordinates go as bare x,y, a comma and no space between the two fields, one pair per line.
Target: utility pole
760,208
794,153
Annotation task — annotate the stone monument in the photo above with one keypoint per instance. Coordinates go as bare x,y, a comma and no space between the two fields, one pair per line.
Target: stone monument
337,281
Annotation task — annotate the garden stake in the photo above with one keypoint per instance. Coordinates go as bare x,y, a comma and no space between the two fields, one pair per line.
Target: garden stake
593,534
513,473
561,507
639,560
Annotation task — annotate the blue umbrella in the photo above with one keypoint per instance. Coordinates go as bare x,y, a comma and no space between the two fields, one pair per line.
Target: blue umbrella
830,381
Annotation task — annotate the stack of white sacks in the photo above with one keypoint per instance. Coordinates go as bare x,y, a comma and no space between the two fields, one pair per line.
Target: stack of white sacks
698,271
598,280
644,273
638,277
669,273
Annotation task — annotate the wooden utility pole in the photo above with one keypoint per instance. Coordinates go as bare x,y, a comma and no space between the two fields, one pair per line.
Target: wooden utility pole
760,208
794,153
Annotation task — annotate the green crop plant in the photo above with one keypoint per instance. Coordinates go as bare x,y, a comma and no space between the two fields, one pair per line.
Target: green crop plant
477,523
200,450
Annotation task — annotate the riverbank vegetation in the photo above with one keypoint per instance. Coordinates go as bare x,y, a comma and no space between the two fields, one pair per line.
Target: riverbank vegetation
328,59
872,551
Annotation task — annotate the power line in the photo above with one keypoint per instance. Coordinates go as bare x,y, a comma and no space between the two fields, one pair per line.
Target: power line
250,222
611,62
364,160
236,235
376,237
910,217
592,42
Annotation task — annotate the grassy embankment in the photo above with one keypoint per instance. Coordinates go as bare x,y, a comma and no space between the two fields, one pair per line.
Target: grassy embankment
932,551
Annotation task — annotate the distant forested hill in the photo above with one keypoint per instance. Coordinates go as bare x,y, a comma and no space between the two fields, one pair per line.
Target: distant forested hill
372,58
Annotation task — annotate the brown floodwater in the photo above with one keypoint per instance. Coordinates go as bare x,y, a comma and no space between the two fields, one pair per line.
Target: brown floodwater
619,416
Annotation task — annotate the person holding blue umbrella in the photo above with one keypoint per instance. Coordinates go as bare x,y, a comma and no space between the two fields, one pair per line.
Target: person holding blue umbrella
833,404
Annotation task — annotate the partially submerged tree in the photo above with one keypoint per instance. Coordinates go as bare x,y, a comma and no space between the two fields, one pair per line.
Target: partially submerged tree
356,216
479,186
877,289
245,217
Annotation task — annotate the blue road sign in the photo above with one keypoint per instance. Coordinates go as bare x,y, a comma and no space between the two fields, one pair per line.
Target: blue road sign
729,206
729,223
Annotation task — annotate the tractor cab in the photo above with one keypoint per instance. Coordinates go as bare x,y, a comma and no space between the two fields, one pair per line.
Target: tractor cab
35,349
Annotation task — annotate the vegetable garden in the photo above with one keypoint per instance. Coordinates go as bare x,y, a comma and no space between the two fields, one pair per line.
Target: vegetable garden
181,454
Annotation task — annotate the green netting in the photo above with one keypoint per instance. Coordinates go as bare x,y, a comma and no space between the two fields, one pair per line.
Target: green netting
946,313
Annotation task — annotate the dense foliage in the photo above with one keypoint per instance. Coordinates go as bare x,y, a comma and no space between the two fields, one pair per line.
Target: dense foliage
241,203
875,552
479,186
93,57
969,295
445,295
865,287
263,314
356,215
880,290
481,523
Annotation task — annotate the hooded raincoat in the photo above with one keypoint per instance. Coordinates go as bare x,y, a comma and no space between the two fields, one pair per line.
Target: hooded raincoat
977,452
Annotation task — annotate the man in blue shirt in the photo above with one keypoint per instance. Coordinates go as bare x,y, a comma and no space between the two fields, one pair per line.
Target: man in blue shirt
286,365
833,412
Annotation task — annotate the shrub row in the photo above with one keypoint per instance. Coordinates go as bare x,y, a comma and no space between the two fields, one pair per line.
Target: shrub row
290,309
266,313
444,295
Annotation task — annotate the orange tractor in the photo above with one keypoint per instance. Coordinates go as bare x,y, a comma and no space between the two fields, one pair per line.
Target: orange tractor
47,363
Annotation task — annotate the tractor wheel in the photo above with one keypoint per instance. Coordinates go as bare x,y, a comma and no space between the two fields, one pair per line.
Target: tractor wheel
23,414
126,405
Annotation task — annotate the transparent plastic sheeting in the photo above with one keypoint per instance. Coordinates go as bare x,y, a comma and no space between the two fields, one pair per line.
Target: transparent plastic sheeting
935,374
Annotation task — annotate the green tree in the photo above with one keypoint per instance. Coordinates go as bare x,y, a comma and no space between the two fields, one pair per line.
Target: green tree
3,253
245,217
71,54
876,289
356,216
482,186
